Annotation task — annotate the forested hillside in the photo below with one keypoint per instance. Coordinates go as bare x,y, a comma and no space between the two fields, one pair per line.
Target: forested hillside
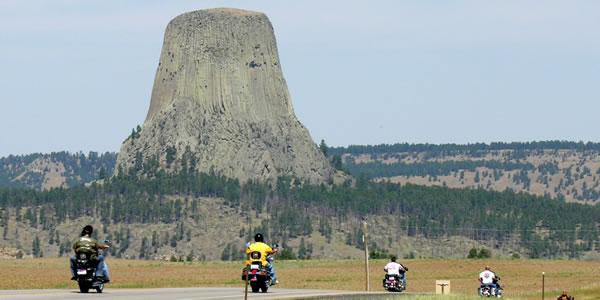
58,169
167,214
567,171
426,200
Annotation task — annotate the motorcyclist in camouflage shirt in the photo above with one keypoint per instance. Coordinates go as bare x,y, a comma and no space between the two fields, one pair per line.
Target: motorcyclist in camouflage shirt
89,244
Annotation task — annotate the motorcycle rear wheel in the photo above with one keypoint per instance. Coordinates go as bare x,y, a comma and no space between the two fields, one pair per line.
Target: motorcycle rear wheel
84,287
255,287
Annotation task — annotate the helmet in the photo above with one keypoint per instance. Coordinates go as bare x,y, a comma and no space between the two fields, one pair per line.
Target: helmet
259,237
87,230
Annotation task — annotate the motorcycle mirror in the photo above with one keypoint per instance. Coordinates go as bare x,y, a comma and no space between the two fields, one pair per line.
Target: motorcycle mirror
105,241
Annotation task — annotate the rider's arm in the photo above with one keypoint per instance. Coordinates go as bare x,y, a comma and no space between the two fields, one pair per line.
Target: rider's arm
102,246
271,250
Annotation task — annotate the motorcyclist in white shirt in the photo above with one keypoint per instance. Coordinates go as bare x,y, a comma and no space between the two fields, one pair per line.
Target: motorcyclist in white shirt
394,268
487,277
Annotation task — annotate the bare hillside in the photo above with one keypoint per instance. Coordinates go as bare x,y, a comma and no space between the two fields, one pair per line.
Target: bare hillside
571,175
57,169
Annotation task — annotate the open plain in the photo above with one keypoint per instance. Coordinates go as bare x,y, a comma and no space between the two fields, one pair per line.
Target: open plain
521,278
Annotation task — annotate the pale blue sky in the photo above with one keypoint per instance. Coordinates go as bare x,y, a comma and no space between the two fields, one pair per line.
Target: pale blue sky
77,75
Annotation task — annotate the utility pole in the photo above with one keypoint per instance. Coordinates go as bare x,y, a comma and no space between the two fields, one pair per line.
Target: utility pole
366,256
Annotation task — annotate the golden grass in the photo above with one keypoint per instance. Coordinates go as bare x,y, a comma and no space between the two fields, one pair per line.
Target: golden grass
522,278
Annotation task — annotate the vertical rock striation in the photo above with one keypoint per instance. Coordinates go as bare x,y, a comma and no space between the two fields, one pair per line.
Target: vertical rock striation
220,103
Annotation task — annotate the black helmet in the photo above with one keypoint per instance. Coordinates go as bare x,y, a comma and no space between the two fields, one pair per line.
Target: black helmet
88,229
259,238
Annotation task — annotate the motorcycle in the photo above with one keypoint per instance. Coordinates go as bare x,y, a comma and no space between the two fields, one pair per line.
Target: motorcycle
394,283
257,275
86,272
486,290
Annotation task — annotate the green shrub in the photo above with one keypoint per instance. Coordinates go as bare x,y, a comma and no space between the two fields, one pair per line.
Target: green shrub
286,254
484,253
472,253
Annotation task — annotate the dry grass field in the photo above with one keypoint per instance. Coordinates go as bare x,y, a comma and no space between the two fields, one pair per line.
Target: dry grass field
522,278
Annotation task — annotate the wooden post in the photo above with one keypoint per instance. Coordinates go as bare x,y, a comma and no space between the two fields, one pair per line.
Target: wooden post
246,269
365,240
246,290
543,279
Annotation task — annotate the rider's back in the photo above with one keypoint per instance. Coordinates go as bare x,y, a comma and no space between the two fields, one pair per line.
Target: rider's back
86,244
393,268
263,248
487,277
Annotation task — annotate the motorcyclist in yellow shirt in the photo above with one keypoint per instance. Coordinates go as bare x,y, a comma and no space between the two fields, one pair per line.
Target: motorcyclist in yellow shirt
264,249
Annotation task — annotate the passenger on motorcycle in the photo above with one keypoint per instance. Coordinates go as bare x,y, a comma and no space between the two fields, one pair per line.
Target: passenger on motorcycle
87,243
487,277
394,268
564,296
260,246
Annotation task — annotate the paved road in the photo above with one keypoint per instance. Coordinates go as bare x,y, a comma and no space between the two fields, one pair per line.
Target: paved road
170,293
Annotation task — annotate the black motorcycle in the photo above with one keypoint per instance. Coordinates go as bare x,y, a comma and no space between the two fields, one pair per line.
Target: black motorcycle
86,272
394,283
486,290
257,275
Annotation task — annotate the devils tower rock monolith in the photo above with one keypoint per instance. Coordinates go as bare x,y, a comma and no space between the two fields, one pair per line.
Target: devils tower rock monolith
220,104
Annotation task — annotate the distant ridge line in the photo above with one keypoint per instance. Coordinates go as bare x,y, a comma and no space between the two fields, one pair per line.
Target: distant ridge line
406,147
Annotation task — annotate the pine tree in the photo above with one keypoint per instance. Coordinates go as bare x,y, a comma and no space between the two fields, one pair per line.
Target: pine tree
35,247
324,148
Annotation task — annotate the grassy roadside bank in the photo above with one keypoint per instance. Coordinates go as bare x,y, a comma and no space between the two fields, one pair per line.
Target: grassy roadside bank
522,278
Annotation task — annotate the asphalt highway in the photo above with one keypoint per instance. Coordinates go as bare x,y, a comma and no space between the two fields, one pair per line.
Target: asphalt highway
169,293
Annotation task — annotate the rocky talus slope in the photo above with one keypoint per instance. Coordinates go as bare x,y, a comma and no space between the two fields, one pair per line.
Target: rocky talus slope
220,103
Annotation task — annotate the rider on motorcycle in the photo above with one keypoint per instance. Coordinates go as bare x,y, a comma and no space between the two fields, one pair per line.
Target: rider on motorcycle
264,249
564,296
87,243
396,269
487,277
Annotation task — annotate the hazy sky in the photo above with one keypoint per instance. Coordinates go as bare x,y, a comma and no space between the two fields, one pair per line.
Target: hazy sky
77,75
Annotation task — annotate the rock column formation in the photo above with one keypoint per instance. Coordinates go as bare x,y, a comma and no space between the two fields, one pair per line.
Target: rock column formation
220,104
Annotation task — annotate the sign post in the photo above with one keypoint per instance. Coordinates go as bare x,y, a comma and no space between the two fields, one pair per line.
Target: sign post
365,238
246,290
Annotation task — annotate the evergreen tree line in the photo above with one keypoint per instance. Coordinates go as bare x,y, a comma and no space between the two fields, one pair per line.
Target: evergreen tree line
293,206
406,147
430,168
